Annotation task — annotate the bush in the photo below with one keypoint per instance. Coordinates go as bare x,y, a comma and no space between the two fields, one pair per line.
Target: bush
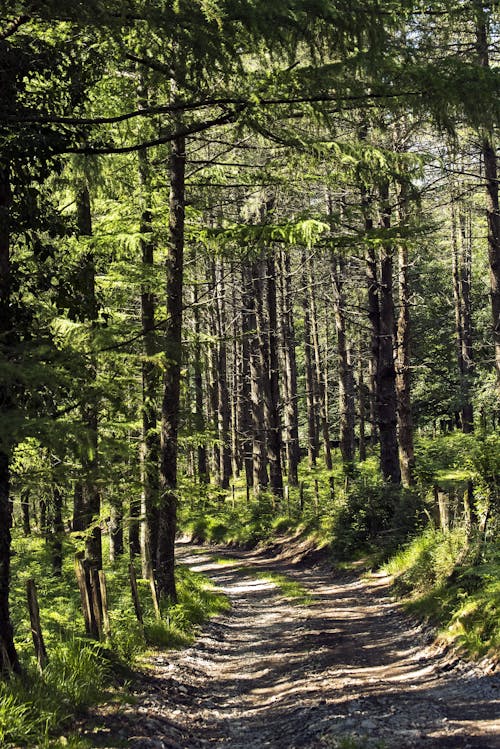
375,517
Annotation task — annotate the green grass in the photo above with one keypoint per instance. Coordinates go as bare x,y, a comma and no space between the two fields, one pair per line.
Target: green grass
290,589
36,710
440,578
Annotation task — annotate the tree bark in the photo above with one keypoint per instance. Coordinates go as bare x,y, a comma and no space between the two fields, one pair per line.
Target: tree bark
346,380
245,406
312,431
25,510
150,442
223,404
320,384
173,358
200,425
259,447
116,546
56,529
91,500
492,204
386,373
372,286
235,381
463,330
403,360
291,411
8,655
274,442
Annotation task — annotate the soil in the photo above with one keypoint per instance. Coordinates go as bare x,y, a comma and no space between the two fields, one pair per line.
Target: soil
345,669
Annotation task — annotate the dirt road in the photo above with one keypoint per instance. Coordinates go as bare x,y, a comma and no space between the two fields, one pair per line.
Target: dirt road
348,669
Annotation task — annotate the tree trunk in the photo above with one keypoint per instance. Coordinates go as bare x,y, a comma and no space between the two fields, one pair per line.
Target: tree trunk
173,357
274,443
91,500
372,285
465,287
245,406
386,373
235,381
116,545
291,411
8,654
56,530
320,384
25,510
492,205
403,391
463,331
198,390
346,381
223,404
259,447
361,404
150,442
312,432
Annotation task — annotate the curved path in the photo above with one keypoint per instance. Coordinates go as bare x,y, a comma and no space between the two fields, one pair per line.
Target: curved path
348,669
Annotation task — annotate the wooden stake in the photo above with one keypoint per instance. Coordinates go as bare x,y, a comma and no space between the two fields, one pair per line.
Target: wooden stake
332,488
135,593
84,595
287,498
104,602
96,601
36,627
154,596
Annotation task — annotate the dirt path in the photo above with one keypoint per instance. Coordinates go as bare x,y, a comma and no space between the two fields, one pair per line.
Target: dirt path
274,674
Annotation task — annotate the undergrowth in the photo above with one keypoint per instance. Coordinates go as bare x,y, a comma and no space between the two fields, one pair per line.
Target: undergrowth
454,582
37,707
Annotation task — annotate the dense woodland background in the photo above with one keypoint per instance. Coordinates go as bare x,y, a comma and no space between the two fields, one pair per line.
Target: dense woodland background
249,279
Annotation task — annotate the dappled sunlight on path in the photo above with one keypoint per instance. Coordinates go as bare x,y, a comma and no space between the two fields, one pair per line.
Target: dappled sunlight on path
272,673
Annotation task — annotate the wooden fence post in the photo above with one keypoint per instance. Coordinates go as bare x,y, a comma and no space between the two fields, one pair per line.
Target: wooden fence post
36,627
154,596
332,488
104,602
84,595
96,600
135,594
287,498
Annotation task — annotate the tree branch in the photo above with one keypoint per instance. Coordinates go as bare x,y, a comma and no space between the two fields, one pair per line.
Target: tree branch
13,26
168,138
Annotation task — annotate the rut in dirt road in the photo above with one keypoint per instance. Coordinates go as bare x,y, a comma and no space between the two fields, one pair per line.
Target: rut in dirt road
274,674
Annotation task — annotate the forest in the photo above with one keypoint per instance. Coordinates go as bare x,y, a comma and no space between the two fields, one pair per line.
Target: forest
249,288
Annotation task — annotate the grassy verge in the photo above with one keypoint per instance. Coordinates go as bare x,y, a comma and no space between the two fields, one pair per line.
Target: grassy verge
36,710
290,589
455,584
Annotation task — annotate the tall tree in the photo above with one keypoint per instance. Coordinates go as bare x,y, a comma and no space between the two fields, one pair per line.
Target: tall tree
165,555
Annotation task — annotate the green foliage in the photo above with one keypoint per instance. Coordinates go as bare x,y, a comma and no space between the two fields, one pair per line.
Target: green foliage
454,582
375,516
81,672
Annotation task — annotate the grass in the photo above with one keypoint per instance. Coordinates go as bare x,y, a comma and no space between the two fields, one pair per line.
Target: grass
36,710
440,578
290,589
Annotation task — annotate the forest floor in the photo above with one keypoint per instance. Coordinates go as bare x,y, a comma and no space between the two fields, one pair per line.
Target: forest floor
346,668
